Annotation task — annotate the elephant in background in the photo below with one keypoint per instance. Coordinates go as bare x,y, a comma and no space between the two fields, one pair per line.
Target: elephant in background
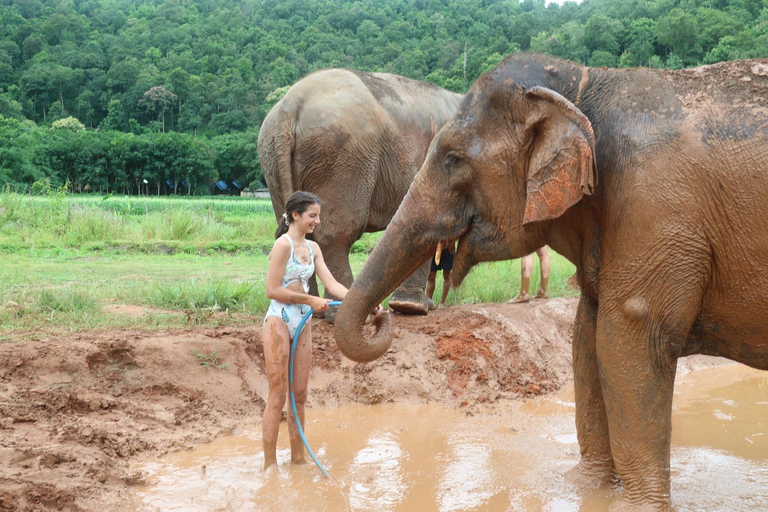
654,183
356,140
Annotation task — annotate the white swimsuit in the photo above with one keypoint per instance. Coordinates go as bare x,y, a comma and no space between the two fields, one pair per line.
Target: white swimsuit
295,270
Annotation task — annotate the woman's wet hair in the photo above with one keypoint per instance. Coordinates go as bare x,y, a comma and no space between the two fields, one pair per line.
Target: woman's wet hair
298,202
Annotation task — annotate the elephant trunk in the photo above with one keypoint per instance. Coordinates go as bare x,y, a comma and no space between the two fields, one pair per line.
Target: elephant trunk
401,250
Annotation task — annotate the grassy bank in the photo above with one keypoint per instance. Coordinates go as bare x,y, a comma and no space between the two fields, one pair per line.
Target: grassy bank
68,260
92,222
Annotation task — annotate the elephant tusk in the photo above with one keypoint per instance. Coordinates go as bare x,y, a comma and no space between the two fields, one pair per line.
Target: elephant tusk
437,252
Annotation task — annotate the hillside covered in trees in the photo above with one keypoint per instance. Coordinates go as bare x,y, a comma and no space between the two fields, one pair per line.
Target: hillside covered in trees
128,80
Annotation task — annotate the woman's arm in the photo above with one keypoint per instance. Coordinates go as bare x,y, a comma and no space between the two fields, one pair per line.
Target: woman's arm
332,286
281,251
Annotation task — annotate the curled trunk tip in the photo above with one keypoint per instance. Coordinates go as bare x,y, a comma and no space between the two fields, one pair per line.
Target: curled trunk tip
356,345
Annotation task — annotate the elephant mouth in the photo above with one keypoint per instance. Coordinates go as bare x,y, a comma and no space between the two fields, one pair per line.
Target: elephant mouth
448,243
459,247
478,241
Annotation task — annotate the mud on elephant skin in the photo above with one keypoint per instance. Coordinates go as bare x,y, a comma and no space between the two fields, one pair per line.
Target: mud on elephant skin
356,140
653,183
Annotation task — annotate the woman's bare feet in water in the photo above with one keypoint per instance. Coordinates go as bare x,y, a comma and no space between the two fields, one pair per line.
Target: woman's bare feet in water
523,297
269,467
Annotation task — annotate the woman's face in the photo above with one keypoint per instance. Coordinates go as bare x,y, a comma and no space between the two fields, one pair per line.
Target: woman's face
308,220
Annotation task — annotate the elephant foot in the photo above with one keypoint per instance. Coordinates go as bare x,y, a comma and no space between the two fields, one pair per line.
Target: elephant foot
587,475
329,314
410,302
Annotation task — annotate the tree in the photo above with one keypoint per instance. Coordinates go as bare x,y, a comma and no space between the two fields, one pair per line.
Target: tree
714,25
28,8
677,31
55,112
68,123
179,81
601,58
20,143
64,80
642,34
158,98
229,121
10,107
85,106
32,46
116,119
602,33
122,75
7,75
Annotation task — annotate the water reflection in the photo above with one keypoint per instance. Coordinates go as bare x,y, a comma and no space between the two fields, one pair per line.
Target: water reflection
378,479
467,481
512,456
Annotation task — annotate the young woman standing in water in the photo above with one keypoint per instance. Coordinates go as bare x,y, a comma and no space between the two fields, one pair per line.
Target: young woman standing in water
292,262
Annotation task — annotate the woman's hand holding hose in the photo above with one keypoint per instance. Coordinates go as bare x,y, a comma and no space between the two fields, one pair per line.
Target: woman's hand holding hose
318,303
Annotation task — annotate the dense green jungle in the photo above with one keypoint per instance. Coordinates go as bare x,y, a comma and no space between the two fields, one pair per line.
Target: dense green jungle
167,96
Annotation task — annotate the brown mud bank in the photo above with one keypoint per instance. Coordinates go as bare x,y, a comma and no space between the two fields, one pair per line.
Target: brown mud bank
77,413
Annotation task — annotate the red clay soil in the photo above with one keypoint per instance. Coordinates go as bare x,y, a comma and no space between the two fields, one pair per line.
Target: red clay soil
77,412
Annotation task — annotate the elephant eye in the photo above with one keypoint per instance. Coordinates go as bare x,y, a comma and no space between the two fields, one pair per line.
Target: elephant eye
451,161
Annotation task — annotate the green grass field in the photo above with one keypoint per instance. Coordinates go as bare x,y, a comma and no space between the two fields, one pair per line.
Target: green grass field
189,260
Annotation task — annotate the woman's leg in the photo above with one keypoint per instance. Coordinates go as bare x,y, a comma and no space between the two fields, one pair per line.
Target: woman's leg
301,367
526,266
544,263
276,354
431,283
446,287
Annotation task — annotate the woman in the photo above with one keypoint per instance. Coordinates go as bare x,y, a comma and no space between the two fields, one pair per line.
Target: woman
292,262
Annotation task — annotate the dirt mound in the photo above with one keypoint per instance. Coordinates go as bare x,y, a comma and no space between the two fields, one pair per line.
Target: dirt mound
78,411
462,355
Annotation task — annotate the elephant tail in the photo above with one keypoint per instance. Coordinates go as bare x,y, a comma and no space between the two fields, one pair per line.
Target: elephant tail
285,156
277,142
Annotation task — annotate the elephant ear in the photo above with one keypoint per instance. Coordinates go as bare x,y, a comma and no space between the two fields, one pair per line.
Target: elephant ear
561,167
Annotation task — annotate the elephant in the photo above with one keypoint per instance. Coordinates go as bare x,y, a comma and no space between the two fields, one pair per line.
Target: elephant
653,183
356,140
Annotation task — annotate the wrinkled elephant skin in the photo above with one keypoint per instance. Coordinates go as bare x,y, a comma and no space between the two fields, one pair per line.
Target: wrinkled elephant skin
356,140
654,183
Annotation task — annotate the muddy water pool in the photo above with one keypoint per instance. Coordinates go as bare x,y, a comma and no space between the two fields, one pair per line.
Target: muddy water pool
511,456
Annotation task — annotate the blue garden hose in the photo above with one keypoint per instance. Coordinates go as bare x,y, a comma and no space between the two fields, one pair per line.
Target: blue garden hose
290,386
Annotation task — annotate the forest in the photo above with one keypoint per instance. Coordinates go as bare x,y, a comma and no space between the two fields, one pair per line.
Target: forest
167,96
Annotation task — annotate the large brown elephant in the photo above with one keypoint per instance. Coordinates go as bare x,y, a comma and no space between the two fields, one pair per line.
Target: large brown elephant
654,183
356,140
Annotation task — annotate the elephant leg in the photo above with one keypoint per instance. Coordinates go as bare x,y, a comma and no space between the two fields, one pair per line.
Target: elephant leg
639,340
313,289
336,257
595,469
409,298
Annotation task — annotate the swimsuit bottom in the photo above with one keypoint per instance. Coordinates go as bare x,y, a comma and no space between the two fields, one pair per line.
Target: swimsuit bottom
291,314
